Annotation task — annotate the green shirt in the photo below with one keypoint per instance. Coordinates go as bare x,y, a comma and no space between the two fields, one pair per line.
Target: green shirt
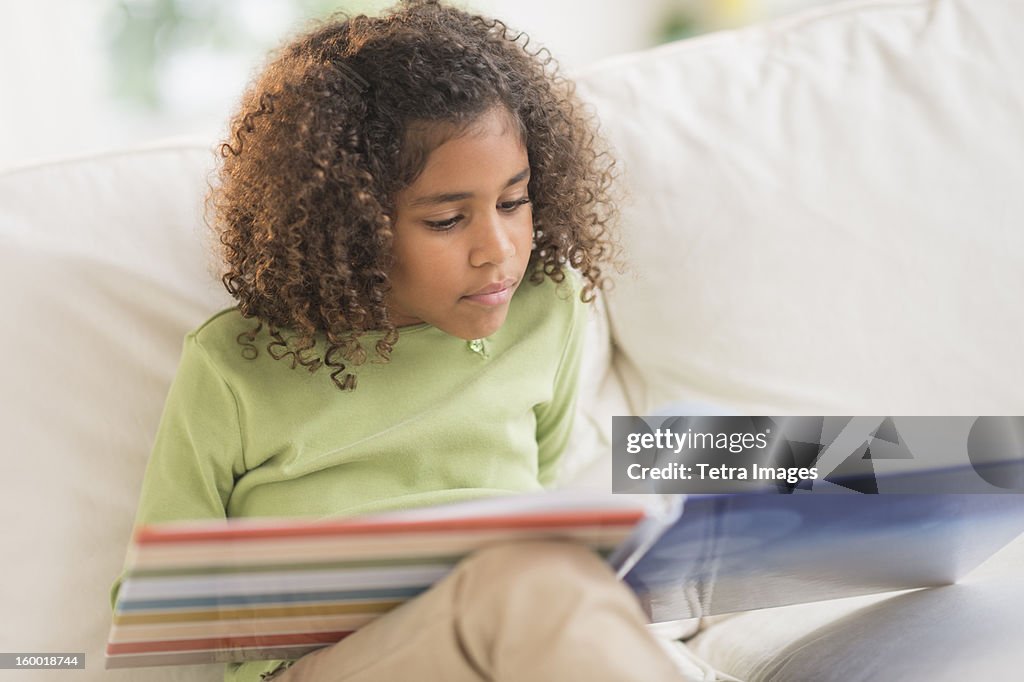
444,420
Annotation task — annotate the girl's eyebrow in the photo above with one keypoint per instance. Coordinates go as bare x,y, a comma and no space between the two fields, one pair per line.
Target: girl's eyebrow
445,197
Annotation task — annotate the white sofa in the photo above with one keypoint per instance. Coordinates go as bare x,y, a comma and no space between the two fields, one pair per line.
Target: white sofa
825,217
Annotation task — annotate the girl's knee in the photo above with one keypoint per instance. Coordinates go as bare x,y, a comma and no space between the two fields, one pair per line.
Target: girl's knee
535,567
525,596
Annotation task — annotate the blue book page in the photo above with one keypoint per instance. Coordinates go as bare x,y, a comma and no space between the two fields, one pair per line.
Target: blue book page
736,552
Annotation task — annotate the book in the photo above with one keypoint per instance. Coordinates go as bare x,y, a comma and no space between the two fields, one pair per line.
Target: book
744,551
738,552
251,589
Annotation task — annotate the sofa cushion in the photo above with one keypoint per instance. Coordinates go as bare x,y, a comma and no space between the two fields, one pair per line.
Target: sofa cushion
102,271
825,211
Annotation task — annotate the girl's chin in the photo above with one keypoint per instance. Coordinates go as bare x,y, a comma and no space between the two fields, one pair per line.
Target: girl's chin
478,329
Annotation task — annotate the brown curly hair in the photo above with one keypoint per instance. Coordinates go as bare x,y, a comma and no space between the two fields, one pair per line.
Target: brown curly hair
341,119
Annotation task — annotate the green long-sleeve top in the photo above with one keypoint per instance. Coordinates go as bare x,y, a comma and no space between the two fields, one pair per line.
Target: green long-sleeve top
444,420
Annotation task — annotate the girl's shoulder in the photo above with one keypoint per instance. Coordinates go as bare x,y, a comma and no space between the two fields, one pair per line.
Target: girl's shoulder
548,292
223,337
547,305
227,323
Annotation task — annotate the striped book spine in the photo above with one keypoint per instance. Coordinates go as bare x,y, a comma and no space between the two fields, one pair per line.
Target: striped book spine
248,589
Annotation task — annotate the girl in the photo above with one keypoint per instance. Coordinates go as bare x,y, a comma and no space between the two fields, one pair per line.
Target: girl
403,204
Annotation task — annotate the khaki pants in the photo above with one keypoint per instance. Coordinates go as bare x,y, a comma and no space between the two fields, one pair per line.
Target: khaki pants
518,611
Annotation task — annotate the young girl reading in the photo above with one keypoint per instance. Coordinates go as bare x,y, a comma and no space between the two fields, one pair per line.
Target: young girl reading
413,212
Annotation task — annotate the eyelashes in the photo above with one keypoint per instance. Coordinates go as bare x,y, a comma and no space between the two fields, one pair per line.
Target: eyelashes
445,225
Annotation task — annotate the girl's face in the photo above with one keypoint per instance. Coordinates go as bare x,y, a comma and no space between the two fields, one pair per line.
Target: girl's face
463,232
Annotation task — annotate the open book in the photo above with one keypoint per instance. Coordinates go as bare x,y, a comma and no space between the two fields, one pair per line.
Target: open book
247,589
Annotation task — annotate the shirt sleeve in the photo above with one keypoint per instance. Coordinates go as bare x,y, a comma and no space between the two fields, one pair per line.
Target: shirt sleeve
197,454
555,418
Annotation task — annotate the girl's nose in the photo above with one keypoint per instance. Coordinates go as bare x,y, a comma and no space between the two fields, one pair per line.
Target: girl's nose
492,241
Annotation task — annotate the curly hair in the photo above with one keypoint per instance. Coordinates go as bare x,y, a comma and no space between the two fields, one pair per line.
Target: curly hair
345,116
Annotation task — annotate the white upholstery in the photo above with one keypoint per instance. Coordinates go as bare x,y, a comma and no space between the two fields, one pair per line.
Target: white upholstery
102,273
826,211
968,631
825,218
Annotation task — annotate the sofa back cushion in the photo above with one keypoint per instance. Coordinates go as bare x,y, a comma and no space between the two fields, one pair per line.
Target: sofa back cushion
102,272
825,212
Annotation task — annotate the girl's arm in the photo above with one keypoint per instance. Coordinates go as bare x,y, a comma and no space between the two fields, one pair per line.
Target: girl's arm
197,454
555,418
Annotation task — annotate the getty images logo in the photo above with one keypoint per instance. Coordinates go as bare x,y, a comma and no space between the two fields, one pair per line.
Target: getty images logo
858,453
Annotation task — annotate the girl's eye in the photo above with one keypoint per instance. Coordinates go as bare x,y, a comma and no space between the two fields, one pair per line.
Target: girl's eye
510,206
445,225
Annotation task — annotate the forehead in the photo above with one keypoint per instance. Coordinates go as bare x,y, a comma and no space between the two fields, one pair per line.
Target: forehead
471,156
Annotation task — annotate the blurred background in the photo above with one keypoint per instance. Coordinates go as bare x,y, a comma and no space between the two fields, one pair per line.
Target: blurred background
80,76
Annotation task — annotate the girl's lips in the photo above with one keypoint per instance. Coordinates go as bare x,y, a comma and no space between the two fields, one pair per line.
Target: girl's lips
494,297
